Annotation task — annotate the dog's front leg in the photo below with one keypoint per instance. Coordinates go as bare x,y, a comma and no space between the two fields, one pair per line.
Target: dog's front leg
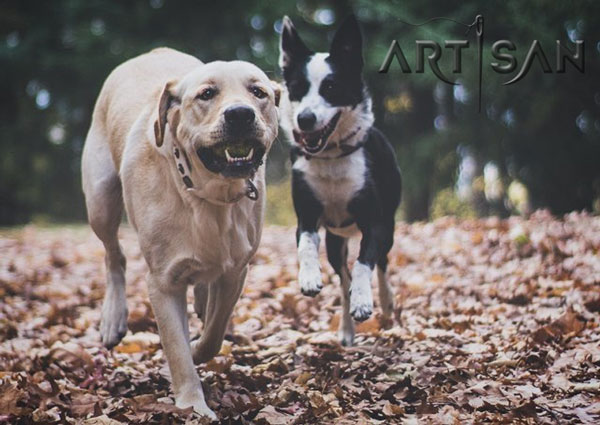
170,309
308,210
309,269
222,296
361,294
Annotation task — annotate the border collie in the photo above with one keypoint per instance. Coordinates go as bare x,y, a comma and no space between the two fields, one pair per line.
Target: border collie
344,171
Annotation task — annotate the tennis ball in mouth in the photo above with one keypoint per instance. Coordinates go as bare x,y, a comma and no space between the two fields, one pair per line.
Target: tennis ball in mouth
237,150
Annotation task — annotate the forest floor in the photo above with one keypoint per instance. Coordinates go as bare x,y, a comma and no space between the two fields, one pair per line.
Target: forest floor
497,321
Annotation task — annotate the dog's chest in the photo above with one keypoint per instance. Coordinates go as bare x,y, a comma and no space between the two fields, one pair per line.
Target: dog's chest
335,183
220,239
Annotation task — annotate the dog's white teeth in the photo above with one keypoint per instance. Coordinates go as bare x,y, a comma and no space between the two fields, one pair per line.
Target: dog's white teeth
231,158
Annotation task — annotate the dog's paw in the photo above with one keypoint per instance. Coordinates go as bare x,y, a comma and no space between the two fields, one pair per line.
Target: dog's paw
361,296
196,401
361,312
113,325
361,301
309,278
346,338
202,353
346,331
204,410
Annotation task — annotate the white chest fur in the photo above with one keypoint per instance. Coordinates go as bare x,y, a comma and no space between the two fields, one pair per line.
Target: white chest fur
335,183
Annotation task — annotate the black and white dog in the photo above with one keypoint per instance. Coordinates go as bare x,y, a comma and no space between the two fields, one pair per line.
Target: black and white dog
345,175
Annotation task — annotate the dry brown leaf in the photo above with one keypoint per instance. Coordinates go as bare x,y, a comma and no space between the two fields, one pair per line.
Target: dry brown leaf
465,351
10,397
370,326
101,420
567,325
129,348
269,415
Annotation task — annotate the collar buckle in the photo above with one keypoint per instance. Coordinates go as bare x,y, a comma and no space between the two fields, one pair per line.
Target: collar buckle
251,190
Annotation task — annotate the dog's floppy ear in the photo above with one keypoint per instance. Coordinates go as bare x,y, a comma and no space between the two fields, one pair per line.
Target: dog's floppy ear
346,47
167,99
291,46
277,91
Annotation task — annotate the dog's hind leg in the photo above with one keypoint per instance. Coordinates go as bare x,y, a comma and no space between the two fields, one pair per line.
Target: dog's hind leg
337,254
386,293
104,202
200,300
222,296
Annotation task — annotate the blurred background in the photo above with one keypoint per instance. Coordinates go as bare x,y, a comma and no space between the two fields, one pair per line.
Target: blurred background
534,144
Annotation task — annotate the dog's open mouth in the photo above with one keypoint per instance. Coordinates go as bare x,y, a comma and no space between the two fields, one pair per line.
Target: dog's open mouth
315,141
233,159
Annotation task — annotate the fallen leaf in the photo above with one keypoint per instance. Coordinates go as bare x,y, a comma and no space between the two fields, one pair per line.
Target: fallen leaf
269,415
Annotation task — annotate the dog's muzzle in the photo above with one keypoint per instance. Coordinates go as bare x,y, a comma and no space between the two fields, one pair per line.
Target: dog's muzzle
237,159
315,141
240,152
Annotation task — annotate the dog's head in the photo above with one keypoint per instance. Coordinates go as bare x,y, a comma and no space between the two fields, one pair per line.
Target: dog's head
324,89
223,112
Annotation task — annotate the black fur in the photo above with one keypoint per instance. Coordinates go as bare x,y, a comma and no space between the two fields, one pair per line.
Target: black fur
372,209
298,55
307,206
375,205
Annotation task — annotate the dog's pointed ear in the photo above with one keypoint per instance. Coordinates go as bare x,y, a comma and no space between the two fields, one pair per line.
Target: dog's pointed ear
276,91
346,47
291,46
167,99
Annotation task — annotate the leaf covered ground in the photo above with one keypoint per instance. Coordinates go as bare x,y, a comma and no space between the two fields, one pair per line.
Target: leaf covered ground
499,323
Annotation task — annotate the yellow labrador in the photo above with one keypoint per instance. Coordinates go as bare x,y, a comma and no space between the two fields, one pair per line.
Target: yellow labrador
181,144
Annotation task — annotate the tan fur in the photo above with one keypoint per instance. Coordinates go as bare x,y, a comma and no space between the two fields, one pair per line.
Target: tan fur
147,106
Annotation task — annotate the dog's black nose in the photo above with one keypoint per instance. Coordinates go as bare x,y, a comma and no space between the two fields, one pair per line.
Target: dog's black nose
239,116
306,120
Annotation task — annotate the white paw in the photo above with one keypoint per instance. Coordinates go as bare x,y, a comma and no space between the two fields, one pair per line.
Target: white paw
309,278
309,275
361,310
113,324
196,401
361,295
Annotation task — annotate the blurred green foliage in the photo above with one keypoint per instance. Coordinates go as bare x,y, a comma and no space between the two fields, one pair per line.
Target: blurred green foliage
446,202
280,209
543,131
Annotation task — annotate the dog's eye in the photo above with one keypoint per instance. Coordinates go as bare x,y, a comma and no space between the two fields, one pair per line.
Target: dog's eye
258,92
328,86
207,94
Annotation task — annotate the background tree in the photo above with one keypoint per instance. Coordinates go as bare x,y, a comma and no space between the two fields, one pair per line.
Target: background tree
543,131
